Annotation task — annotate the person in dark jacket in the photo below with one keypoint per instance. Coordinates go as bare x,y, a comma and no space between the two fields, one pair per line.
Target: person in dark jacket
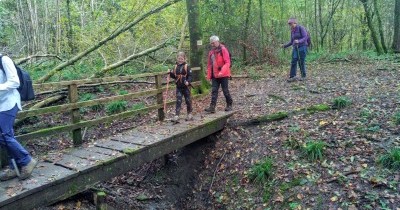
183,77
298,39
219,72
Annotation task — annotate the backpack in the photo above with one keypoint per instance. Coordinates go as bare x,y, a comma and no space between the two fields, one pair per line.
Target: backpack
25,88
179,79
308,41
229,53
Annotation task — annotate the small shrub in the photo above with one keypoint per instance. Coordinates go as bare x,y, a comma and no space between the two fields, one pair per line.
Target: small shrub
262,171
391,159
341,102
86,97
315,150
116,106
396,118
366,113
123,92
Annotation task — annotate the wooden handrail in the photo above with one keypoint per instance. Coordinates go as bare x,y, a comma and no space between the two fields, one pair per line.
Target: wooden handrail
73,106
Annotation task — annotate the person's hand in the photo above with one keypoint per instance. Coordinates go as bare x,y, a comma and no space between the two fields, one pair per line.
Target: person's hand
220,74
296,41
187,83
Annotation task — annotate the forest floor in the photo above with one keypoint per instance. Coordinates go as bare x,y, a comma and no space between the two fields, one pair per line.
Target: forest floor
215,173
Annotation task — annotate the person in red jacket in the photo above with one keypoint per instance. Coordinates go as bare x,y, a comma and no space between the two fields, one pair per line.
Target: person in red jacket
219,72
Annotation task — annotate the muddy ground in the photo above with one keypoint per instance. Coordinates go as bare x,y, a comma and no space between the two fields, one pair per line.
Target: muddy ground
214,173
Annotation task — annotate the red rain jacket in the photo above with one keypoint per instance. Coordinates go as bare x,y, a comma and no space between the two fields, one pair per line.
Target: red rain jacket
221,67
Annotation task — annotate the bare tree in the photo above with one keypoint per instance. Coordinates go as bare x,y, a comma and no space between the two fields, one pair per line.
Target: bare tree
103,41
396,34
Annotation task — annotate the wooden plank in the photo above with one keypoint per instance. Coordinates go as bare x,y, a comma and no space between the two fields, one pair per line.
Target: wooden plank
109,152
74,163
44,175
139,138
90,155
119,146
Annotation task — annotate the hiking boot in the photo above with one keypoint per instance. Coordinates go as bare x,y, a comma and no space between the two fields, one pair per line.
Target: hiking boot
291,79
26,171
228,108
189,117
302,78
8,174
176,118
210,109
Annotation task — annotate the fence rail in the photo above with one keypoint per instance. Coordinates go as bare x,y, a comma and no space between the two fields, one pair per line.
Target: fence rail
73,106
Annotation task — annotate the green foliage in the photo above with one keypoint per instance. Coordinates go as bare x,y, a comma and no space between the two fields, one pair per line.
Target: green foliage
262,172
314,150
116,107
396,118
341,102
123,92
391,159
318,108
87,97
138,106
253,73
366,113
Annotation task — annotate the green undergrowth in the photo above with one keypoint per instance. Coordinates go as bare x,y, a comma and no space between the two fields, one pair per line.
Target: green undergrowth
341,102
391,159
262,171
314,150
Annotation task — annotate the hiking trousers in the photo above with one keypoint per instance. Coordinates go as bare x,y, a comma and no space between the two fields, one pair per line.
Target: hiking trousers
216,83
180,93
8,141
298,56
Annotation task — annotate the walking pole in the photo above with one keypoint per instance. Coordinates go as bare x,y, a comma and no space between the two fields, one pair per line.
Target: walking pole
166,94
11,158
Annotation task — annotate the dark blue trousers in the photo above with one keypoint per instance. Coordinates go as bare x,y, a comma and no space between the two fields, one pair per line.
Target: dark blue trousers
298,57
8,141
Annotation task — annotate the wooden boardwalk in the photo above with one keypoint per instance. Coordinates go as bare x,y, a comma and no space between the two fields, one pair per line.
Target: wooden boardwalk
59,176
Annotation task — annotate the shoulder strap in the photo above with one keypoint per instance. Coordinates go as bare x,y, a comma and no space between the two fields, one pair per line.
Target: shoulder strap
1,63
176,66
186,67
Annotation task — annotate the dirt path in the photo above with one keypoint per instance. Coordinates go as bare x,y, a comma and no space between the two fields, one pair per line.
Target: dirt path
214,173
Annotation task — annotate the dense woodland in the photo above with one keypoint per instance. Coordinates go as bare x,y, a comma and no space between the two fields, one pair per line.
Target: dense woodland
129,36
327,151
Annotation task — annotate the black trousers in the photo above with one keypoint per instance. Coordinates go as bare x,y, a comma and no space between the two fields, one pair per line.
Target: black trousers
216,83
183,91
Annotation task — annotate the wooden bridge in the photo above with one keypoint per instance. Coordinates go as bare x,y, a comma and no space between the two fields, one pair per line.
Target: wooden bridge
60,175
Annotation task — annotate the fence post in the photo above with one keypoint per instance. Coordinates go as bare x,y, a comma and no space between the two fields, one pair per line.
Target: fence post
75,116
161,114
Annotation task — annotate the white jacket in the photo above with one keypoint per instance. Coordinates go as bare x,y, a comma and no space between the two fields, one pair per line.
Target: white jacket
9,82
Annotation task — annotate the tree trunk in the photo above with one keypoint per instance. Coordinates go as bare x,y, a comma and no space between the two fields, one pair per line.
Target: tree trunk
316,43
70,35
103,41
182,38
380,27
374,36
129,58
246,30
195,33
396,34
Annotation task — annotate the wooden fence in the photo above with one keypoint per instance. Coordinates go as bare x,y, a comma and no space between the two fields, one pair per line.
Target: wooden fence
73,106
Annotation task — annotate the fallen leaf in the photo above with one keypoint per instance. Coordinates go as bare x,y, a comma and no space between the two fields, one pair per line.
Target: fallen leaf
334,198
